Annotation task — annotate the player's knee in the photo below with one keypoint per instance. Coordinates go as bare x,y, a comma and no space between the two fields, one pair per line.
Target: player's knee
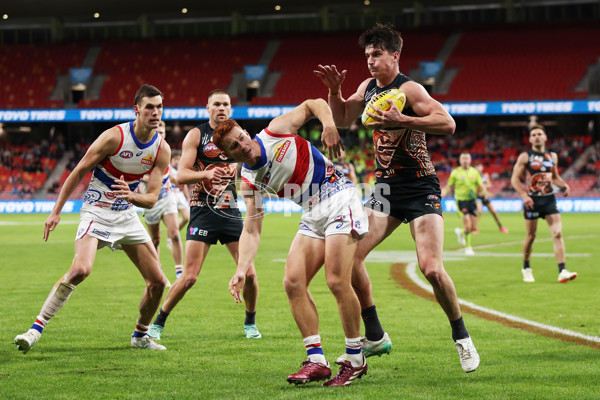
292,287
557,235
251,279
433,275
77,274
174,235
530,237
188,281
157,286
336,285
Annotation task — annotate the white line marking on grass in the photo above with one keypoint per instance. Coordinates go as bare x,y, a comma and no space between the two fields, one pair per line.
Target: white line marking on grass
411,271
13,223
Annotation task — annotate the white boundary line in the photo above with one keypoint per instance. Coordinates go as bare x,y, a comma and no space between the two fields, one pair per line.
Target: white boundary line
411,271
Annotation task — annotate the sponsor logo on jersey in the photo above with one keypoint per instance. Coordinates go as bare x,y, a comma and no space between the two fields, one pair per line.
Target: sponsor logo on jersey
126,154
281,150
139,153
148,160
110,195
357,224
432,197
340,219
211,150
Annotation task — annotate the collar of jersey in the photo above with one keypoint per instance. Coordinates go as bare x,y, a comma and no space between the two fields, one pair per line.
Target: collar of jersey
263,157
137,142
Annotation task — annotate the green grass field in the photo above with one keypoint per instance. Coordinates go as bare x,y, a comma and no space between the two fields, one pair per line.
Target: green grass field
85,354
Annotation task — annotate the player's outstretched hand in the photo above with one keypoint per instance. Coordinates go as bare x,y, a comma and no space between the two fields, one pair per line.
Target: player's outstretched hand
330,77
332,143
235,286
51,222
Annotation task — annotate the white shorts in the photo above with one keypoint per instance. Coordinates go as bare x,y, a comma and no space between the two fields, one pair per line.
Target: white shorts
164,206
112,228
182,202
341,213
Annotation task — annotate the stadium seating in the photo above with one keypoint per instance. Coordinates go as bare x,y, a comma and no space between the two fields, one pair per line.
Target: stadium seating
29,72
184,70
298,55
524,62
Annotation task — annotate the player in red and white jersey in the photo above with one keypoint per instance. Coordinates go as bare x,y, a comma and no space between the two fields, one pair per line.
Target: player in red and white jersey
120,156
182,192
334,219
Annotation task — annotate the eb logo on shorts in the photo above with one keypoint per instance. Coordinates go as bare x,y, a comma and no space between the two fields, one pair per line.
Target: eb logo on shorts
196,231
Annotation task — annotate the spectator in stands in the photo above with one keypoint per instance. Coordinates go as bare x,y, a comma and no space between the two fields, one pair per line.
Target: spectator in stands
484,200
406,179
540,169
119,157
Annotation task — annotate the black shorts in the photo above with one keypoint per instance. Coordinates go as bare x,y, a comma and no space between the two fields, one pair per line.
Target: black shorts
542,206
208,225
484,200
407,200
465,207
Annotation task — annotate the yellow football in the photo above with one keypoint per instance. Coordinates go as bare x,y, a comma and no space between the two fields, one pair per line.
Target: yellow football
380,101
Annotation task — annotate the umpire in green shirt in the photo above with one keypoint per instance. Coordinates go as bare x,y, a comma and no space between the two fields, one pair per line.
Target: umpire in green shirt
467,184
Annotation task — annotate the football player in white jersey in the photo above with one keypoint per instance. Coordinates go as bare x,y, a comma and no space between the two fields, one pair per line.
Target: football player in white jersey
182,191
120,156
334,219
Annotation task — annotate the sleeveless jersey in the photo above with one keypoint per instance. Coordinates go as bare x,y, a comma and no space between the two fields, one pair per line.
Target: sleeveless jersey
292,168
401,153
538,176
220,194
132,159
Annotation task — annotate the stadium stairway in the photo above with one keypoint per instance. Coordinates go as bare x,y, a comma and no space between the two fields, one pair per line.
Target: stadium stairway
54,176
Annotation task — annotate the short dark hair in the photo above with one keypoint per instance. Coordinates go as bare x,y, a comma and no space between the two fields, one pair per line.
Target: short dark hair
223,129
537,126
217,91
146,91
384,36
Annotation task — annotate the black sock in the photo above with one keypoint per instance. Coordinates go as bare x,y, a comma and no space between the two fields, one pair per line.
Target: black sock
250,318
373,329
561,266
161,318
458,329
525,264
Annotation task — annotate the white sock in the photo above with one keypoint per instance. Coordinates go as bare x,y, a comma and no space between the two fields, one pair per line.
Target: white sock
354,351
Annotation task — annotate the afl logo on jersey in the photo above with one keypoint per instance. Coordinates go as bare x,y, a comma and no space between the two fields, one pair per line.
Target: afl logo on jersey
536,165
211,150
126,154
